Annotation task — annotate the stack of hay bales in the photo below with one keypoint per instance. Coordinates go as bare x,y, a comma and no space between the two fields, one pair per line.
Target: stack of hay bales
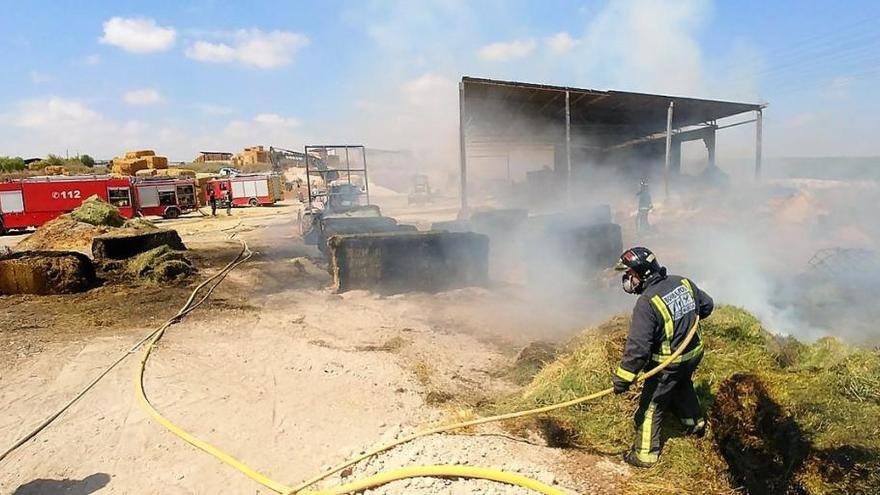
134,161
55,170
251,156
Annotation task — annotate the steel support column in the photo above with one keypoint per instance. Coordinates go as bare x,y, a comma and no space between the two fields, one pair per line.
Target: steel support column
668,148
462,136
567,148
759,142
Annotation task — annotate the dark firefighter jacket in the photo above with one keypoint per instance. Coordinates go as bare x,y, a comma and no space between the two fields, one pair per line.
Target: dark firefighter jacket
661,319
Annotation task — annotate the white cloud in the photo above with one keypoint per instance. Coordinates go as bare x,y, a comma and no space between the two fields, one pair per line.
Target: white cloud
264,50
503,51
144,96
427,88
274,119
263,128
263,124
52,113
561,42
39,77
137,35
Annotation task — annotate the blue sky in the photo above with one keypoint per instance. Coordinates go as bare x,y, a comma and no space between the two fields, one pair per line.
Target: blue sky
179,76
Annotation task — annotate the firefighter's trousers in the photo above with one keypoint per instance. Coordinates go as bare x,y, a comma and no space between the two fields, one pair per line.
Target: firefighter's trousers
670,390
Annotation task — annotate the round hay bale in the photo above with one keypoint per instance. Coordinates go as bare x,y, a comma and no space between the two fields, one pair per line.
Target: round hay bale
46,272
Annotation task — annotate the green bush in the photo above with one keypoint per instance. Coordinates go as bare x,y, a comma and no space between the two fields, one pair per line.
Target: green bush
11,164
87,160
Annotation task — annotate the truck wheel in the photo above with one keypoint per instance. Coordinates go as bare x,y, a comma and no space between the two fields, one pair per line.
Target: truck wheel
171,213
254,202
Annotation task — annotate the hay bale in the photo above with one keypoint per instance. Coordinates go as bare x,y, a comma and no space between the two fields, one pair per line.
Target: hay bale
500,223
157,162
96,211
139,153
161,265
128,166
64,234
45,272
126,243
354,225
407,261
452,226
563,256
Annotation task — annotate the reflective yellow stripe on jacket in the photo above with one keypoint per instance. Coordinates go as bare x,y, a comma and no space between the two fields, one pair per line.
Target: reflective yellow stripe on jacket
669,329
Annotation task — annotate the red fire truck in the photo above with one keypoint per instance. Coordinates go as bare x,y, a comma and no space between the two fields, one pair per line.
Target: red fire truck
167,198
33,201
250,189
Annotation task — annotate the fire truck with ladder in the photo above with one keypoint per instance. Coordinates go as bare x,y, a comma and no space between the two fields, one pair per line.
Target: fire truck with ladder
33,201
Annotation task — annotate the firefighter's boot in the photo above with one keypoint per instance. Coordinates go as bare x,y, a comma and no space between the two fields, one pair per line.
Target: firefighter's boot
632,459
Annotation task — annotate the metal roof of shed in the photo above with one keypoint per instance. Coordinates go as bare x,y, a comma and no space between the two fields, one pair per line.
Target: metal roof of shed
498,108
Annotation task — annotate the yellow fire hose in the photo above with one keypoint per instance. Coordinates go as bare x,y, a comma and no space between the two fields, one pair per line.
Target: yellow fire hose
393,475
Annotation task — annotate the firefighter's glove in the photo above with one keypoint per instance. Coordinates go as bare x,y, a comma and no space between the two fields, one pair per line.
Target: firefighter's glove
620,386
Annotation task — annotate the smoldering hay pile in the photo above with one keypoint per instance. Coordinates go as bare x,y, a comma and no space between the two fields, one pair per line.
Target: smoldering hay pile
76,230
785,417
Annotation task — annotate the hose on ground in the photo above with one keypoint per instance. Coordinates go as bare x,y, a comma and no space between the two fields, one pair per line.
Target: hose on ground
397,474
187,308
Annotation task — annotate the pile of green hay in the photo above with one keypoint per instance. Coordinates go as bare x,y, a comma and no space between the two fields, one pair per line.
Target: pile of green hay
785,417
139,223
161,265
96,211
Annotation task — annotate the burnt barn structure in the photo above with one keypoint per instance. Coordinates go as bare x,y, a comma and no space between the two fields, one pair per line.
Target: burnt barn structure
586,130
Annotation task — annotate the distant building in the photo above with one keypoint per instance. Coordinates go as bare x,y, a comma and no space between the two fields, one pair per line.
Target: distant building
212,157
251,156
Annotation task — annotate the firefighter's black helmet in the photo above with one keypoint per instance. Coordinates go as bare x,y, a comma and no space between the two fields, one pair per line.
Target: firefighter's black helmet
640,264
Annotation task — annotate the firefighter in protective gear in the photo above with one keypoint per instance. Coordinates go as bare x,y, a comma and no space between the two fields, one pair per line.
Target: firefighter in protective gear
645,207
664,313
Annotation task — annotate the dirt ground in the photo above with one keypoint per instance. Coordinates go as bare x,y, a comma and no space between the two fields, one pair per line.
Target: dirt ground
276,370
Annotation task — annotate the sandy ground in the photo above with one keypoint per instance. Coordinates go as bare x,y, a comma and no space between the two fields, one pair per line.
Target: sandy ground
277,370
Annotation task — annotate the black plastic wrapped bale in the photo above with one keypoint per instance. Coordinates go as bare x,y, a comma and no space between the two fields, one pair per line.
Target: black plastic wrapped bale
46,272
123,245
409,261
600,245
452,226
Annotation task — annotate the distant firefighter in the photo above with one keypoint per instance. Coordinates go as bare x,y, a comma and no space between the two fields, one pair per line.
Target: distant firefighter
645,206
212,200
